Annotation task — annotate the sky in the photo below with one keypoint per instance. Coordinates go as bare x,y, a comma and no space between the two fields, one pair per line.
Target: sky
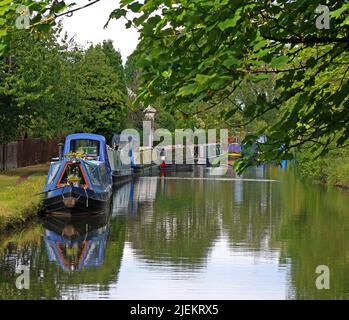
87,25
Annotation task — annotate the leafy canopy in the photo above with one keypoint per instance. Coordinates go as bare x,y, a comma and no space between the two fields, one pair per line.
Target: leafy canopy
49,87
194,51
40,16
196,55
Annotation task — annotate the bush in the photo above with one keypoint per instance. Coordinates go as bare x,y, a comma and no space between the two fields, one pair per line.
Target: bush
332,169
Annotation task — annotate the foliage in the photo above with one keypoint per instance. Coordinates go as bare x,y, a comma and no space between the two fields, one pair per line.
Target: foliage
195,51
49,87
15,18
133,71
332,169
37,88
197,56
75,155
166,120
102,90
115,61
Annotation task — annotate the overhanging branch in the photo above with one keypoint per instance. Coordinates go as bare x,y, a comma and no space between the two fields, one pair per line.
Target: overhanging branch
70,12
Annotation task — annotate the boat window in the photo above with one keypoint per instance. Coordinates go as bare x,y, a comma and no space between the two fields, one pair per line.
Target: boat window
89,147
53,172
94,174
97,173
103,173
72,173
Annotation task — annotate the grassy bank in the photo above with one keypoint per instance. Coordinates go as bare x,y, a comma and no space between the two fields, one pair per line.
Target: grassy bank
22,237
332,169
20,197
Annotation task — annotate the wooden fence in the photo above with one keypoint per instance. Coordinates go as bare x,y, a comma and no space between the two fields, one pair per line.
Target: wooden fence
27,152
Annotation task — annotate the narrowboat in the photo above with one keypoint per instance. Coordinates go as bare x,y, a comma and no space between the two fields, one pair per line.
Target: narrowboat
234,151
80,180
121,158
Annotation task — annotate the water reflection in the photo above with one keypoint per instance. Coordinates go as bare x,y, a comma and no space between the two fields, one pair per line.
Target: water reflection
128,197
168,229
191,238
68,256
75,242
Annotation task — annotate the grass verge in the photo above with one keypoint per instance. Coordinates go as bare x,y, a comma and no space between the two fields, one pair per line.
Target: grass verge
20,195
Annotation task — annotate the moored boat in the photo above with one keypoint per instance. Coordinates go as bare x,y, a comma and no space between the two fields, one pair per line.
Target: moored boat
121,158
80,180
234,150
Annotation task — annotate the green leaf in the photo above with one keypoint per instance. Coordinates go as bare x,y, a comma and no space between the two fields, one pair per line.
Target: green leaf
118,13
231,61
345,22
167,73
260,77
187,90
5,2
202,79
229,23
260,44
279,62
135,7
339,11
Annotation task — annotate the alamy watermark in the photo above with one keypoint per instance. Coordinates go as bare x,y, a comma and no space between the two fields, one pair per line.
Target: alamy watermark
23,20
23,280
185,146
323,20
323,280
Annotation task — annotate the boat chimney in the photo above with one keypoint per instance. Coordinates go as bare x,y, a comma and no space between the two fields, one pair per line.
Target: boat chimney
60,150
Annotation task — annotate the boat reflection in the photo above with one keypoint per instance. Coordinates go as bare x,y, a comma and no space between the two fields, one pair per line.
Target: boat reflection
76,243
123,203
127,198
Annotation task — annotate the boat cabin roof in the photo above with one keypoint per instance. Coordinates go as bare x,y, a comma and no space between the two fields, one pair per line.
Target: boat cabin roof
93,144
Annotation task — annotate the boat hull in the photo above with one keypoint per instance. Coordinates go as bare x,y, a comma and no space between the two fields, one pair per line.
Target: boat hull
70,200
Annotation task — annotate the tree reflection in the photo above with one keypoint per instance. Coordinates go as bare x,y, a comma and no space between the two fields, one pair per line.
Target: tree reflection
315,232
187,217
177,222
75,252
178,226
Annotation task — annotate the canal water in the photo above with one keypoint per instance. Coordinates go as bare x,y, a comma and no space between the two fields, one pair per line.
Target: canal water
189,235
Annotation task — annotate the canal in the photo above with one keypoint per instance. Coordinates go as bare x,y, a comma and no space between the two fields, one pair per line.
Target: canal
189,235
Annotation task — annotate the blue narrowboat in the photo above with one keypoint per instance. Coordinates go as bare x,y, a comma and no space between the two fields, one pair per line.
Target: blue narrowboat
76,243
80,180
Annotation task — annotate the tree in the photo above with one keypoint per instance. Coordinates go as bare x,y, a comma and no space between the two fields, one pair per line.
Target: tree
115,61
195,51
37,93
29,15
49,88
133,71
32,16
102,91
